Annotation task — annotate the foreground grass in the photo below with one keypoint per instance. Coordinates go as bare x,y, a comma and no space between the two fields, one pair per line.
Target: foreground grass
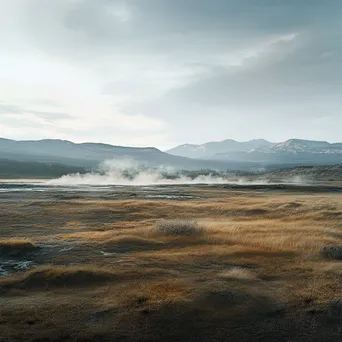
16,247
254,267
58,276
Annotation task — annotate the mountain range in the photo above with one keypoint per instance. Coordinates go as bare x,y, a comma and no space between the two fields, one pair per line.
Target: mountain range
51,156
296,151
88,156
211,149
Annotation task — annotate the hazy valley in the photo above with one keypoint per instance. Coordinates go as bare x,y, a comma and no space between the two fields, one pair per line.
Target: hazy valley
54,158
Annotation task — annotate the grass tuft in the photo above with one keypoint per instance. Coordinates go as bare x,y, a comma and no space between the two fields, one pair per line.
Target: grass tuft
178,228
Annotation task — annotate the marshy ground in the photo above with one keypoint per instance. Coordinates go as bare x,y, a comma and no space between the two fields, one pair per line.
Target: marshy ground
172,263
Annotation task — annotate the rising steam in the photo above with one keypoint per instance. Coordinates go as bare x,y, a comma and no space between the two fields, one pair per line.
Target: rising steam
128,172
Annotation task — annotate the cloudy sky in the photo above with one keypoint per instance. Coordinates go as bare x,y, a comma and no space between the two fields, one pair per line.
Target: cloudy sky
162,73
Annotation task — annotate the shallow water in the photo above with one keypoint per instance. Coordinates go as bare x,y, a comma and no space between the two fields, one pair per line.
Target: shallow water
13,189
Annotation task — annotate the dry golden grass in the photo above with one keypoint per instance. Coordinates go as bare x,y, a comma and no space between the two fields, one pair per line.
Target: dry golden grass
335,267
52,276
16,243
255,257
155,294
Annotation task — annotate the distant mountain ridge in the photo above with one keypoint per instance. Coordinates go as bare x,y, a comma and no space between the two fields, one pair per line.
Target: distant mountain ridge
290,151
45,157
64,151
212,148
308,146
90,155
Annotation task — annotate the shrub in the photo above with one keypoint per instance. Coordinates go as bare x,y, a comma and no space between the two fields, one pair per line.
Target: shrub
332,252
178,227
16,247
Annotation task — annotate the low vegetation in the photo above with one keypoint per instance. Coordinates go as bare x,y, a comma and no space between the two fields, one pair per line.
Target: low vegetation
238,265
58,276
130,243
30,169
178,227
16,247
333,252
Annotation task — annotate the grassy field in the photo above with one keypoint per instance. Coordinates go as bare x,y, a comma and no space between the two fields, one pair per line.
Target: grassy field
226,265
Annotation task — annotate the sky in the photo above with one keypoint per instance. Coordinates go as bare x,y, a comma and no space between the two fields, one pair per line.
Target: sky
163,73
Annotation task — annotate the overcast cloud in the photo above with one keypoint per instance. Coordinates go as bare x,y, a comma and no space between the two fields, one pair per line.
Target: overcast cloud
162,73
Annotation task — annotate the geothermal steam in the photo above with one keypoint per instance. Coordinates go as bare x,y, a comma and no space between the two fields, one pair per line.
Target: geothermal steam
128,172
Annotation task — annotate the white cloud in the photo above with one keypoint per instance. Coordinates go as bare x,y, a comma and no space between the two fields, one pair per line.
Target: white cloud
168,72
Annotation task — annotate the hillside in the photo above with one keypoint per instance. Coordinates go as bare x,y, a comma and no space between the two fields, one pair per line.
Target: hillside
295,146
293,151
67,152
211,149
90,155
16,169
310,173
